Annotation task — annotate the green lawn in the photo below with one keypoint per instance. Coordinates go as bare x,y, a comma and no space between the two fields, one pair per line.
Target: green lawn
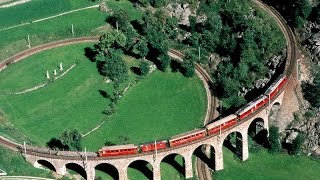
38,9
149,110
263,165
15,40
152,109
14,165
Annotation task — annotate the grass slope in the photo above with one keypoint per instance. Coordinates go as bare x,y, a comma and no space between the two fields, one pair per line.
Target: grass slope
160,106
15,165
263,165
38,9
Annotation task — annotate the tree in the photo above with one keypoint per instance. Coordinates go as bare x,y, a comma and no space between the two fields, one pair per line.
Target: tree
141,48
312,91
188,66
144,68
115,68
164,61
297,144
122,18
302,10
274,139
158,3
71,139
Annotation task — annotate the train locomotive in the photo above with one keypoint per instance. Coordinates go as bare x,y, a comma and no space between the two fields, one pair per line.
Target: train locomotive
211,129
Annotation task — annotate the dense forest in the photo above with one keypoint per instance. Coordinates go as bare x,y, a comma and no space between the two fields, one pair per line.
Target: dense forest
233,40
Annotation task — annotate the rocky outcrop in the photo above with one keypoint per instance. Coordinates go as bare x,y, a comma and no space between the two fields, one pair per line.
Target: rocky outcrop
310,36
181,12
308,123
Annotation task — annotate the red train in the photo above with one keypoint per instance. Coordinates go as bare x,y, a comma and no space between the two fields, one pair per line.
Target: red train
210,129
118,150
187,137
152,146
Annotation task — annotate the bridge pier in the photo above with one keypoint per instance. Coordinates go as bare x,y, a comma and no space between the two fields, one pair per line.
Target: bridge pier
123,173
156,171
245,148
188,166
218,158
90,170
61,169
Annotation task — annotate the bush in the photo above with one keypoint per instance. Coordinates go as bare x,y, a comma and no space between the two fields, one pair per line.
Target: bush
274,139
297,144
144,68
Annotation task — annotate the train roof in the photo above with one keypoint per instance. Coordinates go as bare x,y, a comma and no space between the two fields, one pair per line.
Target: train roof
152,142
251,104
187,134
274,84
221,121
116,147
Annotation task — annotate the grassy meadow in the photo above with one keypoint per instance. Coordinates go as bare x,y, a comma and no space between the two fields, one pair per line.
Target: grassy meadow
149,110
15,40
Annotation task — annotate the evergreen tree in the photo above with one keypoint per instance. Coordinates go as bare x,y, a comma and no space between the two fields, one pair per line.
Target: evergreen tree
274,139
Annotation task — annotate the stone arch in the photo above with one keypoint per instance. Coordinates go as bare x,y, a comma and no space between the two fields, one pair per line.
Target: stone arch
45,164
234,142
258,132
109,169
77,168
143,166
176,161
206,154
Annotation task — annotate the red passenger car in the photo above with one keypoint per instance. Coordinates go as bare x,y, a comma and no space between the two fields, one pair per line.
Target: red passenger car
220,125
187,137
118,150
276,86
152,146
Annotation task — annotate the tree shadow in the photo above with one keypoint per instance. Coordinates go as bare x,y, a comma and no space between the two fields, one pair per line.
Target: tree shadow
78,169
104,94
55,143
170,159
101,68
108,169
90,54
175,66
136,70
142,167
262,138
204,158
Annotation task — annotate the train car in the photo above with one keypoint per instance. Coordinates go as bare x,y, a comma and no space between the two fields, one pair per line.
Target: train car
118,150
252,106
152,146
187,137
276,86
220,125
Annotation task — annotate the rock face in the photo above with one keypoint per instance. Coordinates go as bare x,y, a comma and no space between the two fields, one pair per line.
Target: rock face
181,12
310,127
310,35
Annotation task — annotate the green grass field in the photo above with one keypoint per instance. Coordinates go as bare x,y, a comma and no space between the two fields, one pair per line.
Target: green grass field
38,9
15,40
152,109
149,110
14,165
265,166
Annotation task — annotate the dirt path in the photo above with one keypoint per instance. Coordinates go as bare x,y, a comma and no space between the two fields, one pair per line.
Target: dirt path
50,17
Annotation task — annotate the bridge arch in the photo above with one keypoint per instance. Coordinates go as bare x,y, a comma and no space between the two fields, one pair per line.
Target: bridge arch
109,169
143,166
207,154
45,164
258,132
234,141
77,168
176,161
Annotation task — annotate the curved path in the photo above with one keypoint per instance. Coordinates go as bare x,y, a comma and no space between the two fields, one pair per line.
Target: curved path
289,71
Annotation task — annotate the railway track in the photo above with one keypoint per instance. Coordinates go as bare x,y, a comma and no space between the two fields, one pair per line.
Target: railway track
203,173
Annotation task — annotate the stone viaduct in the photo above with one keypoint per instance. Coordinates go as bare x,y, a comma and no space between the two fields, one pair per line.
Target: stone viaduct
86,165
121,164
